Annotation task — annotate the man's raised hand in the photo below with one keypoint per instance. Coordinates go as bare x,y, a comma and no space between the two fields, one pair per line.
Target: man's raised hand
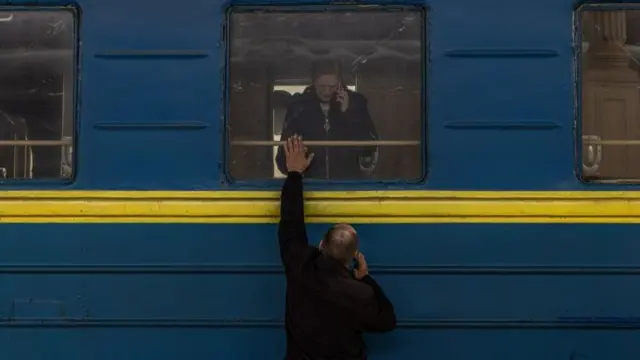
296,155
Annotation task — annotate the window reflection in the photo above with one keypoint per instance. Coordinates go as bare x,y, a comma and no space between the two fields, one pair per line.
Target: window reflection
283,95
36,94
610,103
349,82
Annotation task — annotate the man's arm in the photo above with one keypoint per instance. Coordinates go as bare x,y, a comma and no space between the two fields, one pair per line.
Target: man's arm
380,316
292,233
364,303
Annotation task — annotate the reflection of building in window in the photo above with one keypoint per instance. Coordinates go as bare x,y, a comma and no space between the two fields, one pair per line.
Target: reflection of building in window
36,94
610,104
278,114
377,134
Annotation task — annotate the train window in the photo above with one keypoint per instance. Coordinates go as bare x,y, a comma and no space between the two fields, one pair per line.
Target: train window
37,60
610,96
348,80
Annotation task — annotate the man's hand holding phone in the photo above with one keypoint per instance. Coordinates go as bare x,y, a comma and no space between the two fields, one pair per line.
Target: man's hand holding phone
362,269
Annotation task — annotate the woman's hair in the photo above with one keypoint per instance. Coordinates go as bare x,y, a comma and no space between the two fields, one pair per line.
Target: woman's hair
326,67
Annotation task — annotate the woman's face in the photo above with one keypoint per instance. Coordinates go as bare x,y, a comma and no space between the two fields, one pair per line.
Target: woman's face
326,86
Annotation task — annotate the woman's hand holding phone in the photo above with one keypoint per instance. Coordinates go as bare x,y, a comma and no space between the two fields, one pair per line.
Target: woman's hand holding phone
342,97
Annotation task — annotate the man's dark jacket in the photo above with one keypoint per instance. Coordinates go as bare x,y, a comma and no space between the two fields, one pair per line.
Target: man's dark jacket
305,117
327,309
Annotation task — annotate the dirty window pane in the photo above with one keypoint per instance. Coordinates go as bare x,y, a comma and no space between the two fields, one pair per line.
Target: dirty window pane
349,81
610,96
36,94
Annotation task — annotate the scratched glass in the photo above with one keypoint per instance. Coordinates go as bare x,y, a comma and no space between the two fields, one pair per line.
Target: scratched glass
348,81
610,96
37,79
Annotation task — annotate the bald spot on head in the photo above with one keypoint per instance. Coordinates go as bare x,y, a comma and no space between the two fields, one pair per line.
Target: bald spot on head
341,243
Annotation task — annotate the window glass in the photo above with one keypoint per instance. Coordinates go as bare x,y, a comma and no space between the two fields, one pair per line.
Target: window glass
348,81
36,94
610,95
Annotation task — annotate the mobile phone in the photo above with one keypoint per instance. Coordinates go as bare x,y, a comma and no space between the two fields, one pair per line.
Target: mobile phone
354,264
334,98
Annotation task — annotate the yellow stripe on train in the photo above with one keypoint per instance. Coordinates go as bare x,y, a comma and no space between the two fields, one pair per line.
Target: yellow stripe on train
327,207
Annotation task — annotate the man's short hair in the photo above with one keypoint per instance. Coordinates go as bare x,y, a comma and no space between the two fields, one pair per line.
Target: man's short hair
341,243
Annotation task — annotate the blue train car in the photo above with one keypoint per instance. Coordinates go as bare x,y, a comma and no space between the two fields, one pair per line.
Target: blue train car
140,192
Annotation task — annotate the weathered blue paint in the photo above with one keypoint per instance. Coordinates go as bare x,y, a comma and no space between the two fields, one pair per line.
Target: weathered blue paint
462,291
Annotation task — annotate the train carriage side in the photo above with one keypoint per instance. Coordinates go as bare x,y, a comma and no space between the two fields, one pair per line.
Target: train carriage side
498,207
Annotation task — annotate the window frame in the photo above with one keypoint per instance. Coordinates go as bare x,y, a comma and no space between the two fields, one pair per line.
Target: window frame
227,179
74,10
578,53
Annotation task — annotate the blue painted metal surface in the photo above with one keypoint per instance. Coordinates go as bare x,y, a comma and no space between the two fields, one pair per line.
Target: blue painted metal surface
462,291
187,291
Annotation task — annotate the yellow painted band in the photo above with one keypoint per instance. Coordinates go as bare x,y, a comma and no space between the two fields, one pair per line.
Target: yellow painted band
351,220
326,207
261,195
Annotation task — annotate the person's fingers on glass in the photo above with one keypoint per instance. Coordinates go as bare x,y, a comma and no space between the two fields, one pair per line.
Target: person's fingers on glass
295,153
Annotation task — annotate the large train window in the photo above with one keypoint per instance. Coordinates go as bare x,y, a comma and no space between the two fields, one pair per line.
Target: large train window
610,95
37,60
349,80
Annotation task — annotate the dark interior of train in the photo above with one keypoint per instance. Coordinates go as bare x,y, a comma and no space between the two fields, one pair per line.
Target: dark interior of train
36,91
271,56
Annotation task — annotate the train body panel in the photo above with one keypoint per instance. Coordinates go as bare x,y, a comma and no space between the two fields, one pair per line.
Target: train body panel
155,98
201,290
157,239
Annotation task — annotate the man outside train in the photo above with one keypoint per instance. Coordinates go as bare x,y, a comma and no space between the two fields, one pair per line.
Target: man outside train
328,307
328,111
